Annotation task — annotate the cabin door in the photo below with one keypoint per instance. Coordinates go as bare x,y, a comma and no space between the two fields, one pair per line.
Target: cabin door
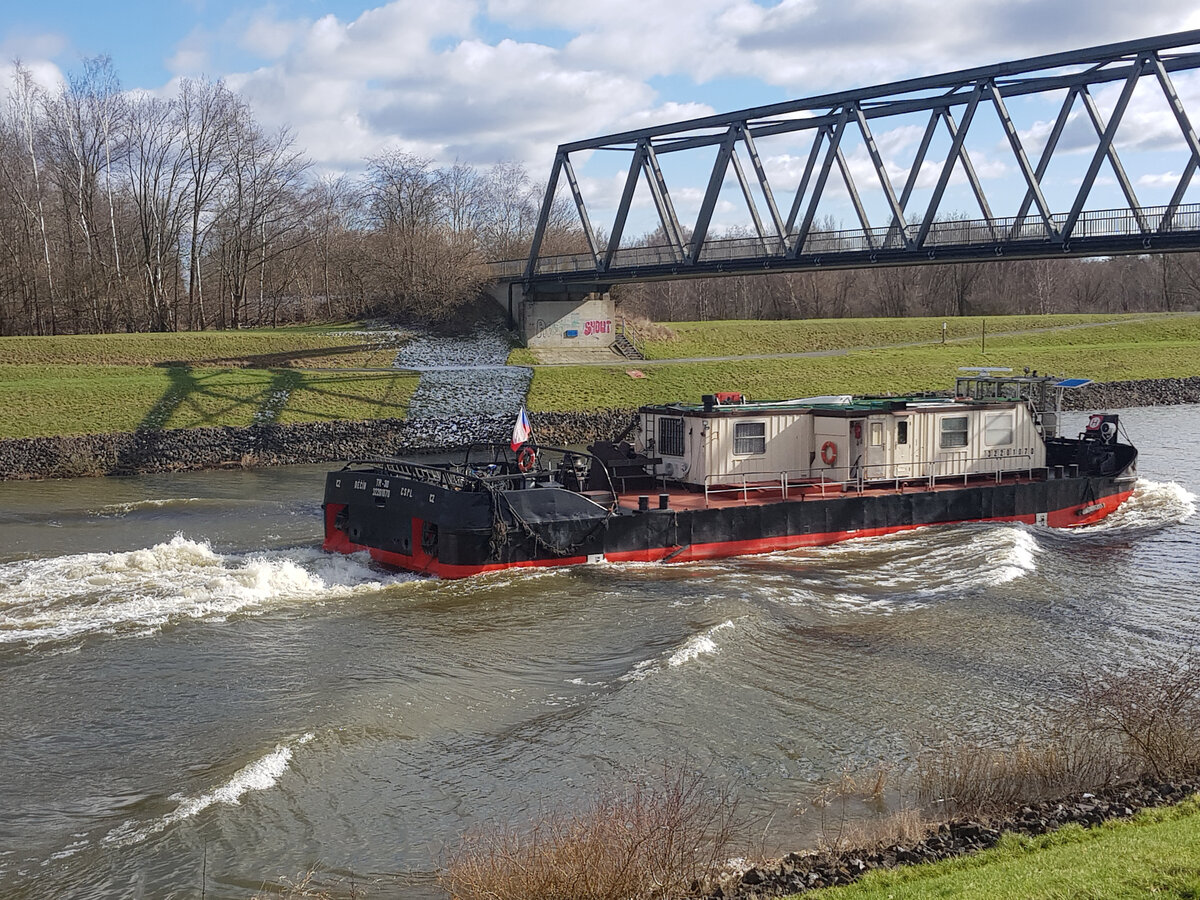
902,444
857,439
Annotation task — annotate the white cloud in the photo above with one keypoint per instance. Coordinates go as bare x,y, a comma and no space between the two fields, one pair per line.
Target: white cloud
419,75
44,75
1159,180
42,45
488,80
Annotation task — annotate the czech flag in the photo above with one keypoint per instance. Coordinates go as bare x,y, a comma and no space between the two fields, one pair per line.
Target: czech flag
521,430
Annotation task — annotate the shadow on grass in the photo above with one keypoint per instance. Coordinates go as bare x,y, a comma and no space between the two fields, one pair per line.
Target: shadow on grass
182,383
286,358
196,399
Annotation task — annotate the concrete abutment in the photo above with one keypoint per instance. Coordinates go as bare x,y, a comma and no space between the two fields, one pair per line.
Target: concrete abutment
567,320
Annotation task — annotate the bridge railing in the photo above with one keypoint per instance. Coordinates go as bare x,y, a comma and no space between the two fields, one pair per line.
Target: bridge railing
1146,222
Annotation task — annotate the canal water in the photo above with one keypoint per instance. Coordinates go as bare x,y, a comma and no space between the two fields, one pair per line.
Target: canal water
197,699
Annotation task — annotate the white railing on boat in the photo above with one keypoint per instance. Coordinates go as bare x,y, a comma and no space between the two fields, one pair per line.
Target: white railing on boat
926,473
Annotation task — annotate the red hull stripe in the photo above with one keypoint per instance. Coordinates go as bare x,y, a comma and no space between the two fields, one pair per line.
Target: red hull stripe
1070,517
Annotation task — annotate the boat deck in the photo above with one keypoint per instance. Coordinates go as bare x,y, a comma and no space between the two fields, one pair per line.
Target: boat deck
757,494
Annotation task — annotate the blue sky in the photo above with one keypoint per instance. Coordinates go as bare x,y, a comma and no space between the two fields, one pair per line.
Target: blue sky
488,80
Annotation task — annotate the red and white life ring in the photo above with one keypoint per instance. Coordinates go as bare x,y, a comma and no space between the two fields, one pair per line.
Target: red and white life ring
526,458
829,453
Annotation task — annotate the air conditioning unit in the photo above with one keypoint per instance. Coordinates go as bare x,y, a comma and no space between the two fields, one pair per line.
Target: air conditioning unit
675,469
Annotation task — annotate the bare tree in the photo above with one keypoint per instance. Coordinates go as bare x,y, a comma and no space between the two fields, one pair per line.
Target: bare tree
261,216
25,100
465,194
207,112
156,182
335,203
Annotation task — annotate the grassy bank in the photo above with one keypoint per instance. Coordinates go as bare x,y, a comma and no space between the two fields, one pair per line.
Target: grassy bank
742,338
1156,853
1129,348
82,384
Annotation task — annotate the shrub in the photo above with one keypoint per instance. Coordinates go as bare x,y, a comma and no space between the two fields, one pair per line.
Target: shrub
1151,711
960,777
659,837
866,809
1141,720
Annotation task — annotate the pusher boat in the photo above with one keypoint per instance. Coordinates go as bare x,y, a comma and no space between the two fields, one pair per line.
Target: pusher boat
728,476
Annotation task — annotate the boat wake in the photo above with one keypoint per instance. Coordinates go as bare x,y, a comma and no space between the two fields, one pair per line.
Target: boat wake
894,572
702,644
117,510
259,775
1154,505
138,592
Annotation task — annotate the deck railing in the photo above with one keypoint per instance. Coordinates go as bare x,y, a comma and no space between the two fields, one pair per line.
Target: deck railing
484,466
925,473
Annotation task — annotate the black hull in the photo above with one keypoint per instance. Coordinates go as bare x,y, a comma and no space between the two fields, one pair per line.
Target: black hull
430,529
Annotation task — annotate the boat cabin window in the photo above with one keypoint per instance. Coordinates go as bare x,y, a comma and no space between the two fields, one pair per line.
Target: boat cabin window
902,432
876,434
998,429
670,437
749,438
954,432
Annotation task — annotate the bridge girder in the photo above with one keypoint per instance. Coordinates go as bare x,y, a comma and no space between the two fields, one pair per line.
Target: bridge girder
952,102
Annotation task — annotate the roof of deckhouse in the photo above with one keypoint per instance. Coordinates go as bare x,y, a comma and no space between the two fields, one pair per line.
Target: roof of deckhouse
865,404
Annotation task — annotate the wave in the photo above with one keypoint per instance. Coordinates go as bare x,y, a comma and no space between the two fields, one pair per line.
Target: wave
259,775
696,646
903,570
1154,505
137,592
699,645
117,510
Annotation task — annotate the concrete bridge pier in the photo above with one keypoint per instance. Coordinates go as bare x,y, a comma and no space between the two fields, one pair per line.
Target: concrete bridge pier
570,319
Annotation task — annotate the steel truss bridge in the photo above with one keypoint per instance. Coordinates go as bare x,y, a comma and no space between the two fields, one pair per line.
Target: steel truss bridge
784,238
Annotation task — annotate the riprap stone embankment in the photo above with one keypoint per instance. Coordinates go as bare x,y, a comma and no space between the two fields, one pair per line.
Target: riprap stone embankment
276,445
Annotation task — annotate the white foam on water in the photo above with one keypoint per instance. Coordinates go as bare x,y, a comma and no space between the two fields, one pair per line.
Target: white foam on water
640,670
861,602
114,510
904,570
698,645
259,775
70,850
137,592
1153,505
1014,556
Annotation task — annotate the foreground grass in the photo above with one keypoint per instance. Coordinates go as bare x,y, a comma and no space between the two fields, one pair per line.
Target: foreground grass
1158,347
83,384
1156,854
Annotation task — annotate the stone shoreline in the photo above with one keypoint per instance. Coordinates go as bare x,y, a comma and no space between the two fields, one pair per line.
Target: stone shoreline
275,445
177,450
799,872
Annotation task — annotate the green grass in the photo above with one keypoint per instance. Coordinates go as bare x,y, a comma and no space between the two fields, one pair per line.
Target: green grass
83,384
101,383
98,399
741,338
1159,347
1157,854
255,349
